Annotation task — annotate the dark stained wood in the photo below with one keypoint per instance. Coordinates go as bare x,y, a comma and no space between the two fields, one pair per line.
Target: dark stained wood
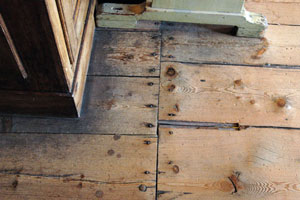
36,103
126,53
29,26
111,106
10,75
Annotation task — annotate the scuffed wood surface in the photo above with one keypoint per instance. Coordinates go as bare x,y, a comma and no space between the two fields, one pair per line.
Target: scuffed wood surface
50,166
276,11
40,188
111,106
221,164
193,43
230,94
126,53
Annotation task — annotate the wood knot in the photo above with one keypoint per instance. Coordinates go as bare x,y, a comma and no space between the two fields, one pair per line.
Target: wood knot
171,71
234,179
111,152
281,102
238,82
252,101
175,169
171,88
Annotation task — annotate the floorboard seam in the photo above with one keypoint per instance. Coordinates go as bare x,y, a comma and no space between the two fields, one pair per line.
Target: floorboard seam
121,76
276,66
215,125
157,131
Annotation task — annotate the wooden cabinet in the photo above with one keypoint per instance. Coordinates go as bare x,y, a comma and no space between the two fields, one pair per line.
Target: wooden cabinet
45,47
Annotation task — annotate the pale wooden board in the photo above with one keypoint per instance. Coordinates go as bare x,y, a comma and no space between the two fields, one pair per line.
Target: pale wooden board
230,94
276,11
59,166
197,164
111,106
126,53
193,43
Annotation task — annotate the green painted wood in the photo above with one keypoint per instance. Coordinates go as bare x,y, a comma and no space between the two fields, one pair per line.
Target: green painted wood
125,16
232,6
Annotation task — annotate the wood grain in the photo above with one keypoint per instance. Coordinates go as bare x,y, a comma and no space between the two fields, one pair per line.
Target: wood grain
40,188
193,43
50,166
65,9
126,53
111,106
277,11
230,94
222,164
84,58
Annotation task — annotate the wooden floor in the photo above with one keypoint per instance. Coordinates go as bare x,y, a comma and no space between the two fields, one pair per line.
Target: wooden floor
171,111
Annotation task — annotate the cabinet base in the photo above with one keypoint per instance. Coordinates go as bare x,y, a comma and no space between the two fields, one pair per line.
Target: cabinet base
127,15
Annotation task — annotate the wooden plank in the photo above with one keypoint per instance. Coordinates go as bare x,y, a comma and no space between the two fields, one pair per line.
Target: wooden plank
80,17
45,188
60,40
59,166
65,10
111,106
227,165
230,94
84,58
126,53
277,11
192,43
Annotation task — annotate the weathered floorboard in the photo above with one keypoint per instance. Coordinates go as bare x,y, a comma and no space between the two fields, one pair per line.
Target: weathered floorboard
41,188
111,106
193,43
230,94
277,11
126,53
59,166
249,164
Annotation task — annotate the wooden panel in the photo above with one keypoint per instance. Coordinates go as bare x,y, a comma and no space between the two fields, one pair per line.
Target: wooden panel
84,58
111,105
222,164
277,11
192,43
30,28
229,6
37,103
230,94
66,17
12,72
52,166
80,16
126,53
